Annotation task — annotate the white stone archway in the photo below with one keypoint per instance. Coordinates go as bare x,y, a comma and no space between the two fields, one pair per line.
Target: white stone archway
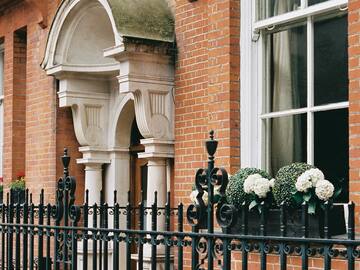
114,60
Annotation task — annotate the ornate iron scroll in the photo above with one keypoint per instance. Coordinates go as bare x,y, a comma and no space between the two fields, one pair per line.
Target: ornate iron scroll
200,215
65,213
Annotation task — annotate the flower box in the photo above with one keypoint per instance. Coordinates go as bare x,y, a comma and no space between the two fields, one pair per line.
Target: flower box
294,223
17,196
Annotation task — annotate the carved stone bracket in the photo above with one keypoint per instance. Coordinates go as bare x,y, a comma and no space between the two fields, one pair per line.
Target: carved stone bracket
89,103
147,71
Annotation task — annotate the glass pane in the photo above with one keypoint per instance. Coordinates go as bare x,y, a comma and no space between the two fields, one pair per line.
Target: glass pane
314,2
287,73
331,61
286,139
331,147
270,8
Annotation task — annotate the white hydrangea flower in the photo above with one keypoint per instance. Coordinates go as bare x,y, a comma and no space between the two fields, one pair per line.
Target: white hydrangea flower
262,187
315,176
272,183
324,190
250,182
303,183
194,200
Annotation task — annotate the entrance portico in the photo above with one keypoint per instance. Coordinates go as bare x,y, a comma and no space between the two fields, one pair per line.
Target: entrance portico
115,64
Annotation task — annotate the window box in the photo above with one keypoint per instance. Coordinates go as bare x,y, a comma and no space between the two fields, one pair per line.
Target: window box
294,223
17,196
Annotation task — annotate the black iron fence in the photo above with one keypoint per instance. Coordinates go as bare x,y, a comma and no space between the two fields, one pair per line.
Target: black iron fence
104,236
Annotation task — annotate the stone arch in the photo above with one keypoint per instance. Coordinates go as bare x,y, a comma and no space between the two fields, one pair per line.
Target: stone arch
120,126
69,25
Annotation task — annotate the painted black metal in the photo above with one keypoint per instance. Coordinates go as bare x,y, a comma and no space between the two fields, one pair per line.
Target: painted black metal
45,236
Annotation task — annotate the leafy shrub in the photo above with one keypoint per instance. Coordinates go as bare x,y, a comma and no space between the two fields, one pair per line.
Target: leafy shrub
235,193
19,182
285,180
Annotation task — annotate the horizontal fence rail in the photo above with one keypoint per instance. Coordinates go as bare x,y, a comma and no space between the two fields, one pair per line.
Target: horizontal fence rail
208,235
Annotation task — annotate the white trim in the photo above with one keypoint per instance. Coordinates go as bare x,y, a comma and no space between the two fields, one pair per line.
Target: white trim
310,91
296,15
320,108
247,51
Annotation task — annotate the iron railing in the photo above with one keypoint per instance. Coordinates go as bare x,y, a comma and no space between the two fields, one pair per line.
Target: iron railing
103,236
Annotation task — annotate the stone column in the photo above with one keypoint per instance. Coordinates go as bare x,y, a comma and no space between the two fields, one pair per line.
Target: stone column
117,177
93,181
157,152
93,159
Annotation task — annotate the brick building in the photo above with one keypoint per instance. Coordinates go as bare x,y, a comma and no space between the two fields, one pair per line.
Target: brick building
133,87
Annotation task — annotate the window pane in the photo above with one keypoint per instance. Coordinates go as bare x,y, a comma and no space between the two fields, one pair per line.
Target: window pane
270,8
330,61
314,2
288,79
331,147
286,141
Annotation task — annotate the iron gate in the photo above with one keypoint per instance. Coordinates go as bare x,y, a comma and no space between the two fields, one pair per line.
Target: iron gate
102,236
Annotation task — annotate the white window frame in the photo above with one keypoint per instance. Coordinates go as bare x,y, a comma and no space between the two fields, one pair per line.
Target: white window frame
2,61
252,51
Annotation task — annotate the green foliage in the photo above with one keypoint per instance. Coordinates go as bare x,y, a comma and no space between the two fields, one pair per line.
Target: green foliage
18,184
235,190
1,188
284,189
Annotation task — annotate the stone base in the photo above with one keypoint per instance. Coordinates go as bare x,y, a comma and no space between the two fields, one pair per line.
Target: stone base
160,262
91,254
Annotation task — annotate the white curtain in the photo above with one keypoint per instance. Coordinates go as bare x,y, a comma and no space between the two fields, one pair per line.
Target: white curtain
285,132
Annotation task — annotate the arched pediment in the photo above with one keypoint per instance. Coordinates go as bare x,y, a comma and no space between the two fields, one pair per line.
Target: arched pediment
83,29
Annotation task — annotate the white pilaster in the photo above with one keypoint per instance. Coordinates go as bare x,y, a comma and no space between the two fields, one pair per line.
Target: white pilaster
157,152
93,181
117,176
93,159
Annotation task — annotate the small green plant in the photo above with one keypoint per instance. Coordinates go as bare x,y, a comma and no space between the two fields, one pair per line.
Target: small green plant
1,188
235,193
18,183
285,180
300,182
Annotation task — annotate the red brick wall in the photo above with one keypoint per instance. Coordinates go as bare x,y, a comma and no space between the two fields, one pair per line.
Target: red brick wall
207,87
36,144
14,103
354,99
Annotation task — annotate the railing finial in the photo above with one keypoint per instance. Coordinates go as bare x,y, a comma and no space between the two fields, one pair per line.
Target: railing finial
65,161
211,145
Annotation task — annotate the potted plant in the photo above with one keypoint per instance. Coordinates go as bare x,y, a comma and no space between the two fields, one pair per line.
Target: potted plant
17,189
253,187
298,183
235,192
